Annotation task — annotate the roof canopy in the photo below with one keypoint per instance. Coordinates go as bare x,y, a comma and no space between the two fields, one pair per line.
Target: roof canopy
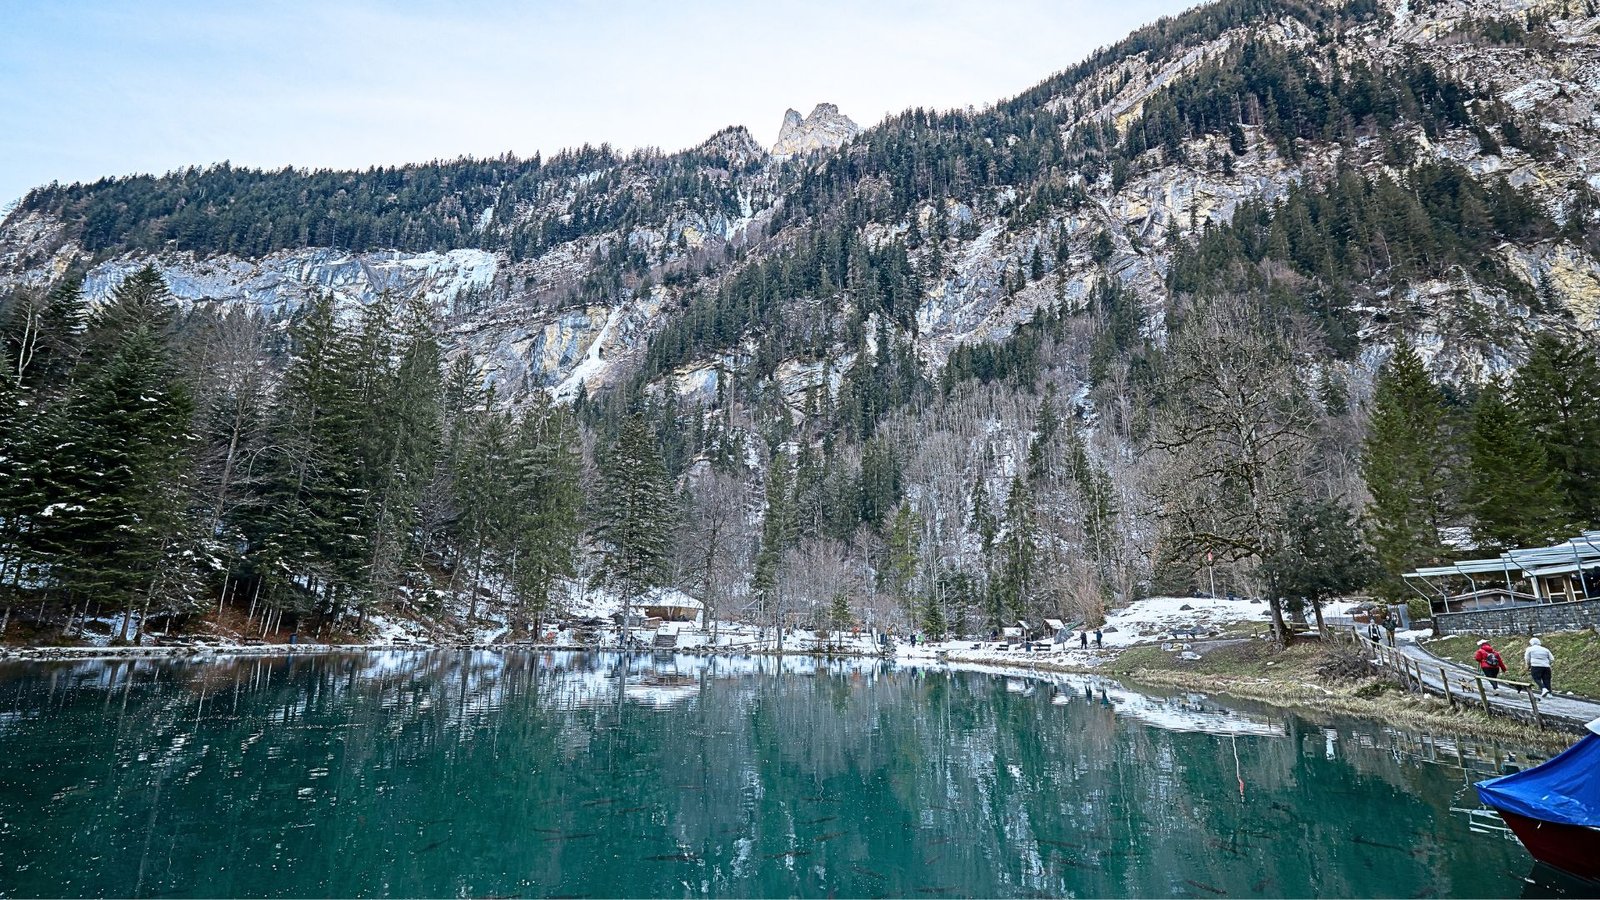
1575,555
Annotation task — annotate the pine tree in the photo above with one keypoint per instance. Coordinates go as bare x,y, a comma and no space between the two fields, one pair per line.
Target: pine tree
483,502
1556,397
43,337
932,617
116,484
1041,449
1513,492
304,529
547,501
777,527
1407,466
637,512
1322,556
139,302
403,432
1019,546
900,560
839,617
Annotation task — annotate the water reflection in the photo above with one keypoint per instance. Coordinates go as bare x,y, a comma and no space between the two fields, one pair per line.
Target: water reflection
434,773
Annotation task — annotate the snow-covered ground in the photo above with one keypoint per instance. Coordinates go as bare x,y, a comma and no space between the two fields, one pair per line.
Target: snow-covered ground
1155,620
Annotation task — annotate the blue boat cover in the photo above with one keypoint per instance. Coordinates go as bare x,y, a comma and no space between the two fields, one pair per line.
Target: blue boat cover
1564,789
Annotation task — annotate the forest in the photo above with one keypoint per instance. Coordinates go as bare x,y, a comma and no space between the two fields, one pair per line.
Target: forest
1274,411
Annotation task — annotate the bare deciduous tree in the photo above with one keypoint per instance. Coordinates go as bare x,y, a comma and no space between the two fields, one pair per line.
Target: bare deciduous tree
1235,432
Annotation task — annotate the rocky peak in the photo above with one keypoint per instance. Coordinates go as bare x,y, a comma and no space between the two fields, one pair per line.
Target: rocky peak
735,144
825,129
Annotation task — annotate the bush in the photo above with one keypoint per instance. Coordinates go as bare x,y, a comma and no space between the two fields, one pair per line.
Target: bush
1374,690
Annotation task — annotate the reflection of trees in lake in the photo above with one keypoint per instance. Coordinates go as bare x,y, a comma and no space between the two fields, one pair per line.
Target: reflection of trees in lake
521,769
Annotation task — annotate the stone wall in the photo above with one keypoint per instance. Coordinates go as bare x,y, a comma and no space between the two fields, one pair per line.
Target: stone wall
1521,619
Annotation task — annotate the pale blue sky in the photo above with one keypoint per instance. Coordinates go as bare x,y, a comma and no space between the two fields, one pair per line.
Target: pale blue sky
111,87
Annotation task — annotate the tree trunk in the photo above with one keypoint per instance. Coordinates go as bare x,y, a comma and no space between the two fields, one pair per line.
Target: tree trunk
1316,607
477,578
138,636
126,615
1280,630
255,596
84,616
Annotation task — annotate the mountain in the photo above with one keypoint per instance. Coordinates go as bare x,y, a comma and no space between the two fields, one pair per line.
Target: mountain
825,129
905,317
1145,143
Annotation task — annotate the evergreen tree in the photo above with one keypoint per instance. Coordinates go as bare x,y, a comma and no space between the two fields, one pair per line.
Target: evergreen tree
839,617
900,560
401,389
43,337
1406,461
306,541
1512,491
1322,556
932,617
637,512
483,499
1041,449
1555,394
777,527
116,484
547,501
1019,546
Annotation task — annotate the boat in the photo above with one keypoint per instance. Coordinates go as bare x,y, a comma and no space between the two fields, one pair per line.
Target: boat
1554,807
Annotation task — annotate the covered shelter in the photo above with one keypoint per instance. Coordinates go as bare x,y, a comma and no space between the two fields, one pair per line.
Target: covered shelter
1561,573
1060,632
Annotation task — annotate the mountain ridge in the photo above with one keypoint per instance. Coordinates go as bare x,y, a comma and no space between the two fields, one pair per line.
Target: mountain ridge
746,189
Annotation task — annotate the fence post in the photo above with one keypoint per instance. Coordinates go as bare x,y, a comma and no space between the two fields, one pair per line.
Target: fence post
1483,695
1444,680
1533,698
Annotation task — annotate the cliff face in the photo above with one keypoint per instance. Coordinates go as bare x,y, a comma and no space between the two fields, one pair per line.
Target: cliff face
580,303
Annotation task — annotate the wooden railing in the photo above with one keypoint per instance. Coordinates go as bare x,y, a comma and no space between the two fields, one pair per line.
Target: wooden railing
1414,674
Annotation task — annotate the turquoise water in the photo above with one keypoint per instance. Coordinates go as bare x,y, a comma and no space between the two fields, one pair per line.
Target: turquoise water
523,774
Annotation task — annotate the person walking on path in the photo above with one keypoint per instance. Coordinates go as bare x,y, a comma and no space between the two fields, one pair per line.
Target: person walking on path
1083,640
1539,660
1489,661
1097,638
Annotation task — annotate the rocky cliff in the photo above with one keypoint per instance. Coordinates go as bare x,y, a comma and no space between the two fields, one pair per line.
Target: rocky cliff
824,129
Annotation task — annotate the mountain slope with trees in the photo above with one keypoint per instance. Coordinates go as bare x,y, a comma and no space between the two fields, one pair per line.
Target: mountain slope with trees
1266,277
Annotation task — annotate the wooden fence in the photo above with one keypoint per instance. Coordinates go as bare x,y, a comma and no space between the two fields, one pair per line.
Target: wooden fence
1460,688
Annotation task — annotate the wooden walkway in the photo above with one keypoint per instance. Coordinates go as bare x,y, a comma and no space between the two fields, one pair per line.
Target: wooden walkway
1423,671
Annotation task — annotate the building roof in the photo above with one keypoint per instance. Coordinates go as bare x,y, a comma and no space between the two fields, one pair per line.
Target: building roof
1577,554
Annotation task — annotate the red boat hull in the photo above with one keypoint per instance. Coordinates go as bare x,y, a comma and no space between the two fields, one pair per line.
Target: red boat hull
1570,848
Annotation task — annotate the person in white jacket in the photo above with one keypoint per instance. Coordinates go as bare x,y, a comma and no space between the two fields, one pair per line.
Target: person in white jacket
1539,660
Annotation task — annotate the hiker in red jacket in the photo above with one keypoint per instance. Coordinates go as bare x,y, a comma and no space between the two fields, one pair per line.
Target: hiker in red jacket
1489,661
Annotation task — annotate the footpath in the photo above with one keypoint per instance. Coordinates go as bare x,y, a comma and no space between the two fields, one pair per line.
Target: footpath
1503,697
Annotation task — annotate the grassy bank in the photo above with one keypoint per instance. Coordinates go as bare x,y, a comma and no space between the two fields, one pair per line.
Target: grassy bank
1308,676
1577,668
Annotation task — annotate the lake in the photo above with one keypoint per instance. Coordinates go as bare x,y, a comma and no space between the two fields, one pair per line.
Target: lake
473,773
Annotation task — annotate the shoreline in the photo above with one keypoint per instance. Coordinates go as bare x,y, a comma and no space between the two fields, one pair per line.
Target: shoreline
1398,707
1395,707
